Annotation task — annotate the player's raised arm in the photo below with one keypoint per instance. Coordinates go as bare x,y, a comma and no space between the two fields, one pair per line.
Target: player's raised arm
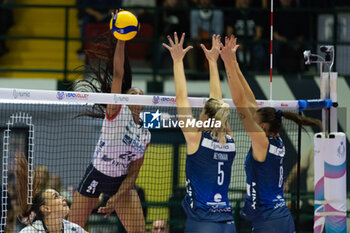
212,56
255,132
118,73
183,105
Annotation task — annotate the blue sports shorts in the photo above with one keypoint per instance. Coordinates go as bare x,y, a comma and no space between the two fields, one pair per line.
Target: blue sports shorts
279,225
193,226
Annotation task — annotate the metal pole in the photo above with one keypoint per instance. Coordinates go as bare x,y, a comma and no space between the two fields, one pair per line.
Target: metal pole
297,214
65,72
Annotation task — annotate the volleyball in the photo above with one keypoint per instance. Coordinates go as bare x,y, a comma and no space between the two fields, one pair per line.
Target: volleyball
124,25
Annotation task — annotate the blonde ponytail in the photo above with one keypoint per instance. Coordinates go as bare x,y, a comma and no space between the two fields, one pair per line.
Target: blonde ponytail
218,110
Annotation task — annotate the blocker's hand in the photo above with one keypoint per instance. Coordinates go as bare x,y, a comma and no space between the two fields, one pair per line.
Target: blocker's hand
213,53
176,49
228,51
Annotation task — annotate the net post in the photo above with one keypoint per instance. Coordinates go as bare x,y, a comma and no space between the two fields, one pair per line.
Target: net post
324,94
271,48
333,96
297,214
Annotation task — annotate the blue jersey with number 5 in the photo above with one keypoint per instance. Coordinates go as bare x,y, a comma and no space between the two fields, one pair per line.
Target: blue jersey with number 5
265,179
208,174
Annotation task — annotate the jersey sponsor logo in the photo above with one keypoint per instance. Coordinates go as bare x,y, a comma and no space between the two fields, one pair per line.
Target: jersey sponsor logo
99,149
127,139
127,155
116,163
277,150
253,195
228,147
221,210
189,191
278,205
217,197
92,187
220,156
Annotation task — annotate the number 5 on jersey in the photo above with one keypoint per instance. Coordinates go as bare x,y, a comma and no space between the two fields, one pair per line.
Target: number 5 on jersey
220,173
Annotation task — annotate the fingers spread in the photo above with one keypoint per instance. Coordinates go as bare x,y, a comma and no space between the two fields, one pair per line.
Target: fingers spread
170,41
175,38
203,47
166,46
182,39
188,48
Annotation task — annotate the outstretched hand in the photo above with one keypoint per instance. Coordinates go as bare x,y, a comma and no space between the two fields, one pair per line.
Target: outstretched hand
176,49
213,53
228,51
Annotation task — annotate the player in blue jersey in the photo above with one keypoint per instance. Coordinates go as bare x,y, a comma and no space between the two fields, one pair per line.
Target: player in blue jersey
210,148
265,205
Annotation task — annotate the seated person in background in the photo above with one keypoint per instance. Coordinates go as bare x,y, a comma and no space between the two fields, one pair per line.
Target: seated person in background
160,226
289,34
248,26
145,16
174,18
6,22
97,11
204,23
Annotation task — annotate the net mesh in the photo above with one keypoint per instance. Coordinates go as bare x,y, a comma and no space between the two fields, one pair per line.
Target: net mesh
63,145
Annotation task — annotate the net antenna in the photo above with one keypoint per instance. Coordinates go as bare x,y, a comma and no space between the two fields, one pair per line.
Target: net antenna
271,49
16,118
328,89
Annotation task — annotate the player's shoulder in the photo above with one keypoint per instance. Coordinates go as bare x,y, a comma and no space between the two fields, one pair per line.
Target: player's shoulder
36,226
72,227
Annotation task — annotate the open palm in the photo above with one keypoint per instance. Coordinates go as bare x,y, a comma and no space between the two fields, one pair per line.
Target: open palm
228,51
213,53
176,49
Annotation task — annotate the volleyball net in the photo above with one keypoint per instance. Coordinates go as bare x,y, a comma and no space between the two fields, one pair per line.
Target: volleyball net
47,127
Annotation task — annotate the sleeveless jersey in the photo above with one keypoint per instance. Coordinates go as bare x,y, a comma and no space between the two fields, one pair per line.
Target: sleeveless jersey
121,142
265,179
208,174
38,227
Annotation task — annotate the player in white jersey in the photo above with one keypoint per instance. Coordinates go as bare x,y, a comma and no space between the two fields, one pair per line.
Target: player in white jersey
48,208
118,155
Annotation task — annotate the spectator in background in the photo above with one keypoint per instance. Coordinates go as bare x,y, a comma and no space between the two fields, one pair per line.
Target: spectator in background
6,22
160,226
174,18
96,11
248,26
289,34
144,15
204,23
